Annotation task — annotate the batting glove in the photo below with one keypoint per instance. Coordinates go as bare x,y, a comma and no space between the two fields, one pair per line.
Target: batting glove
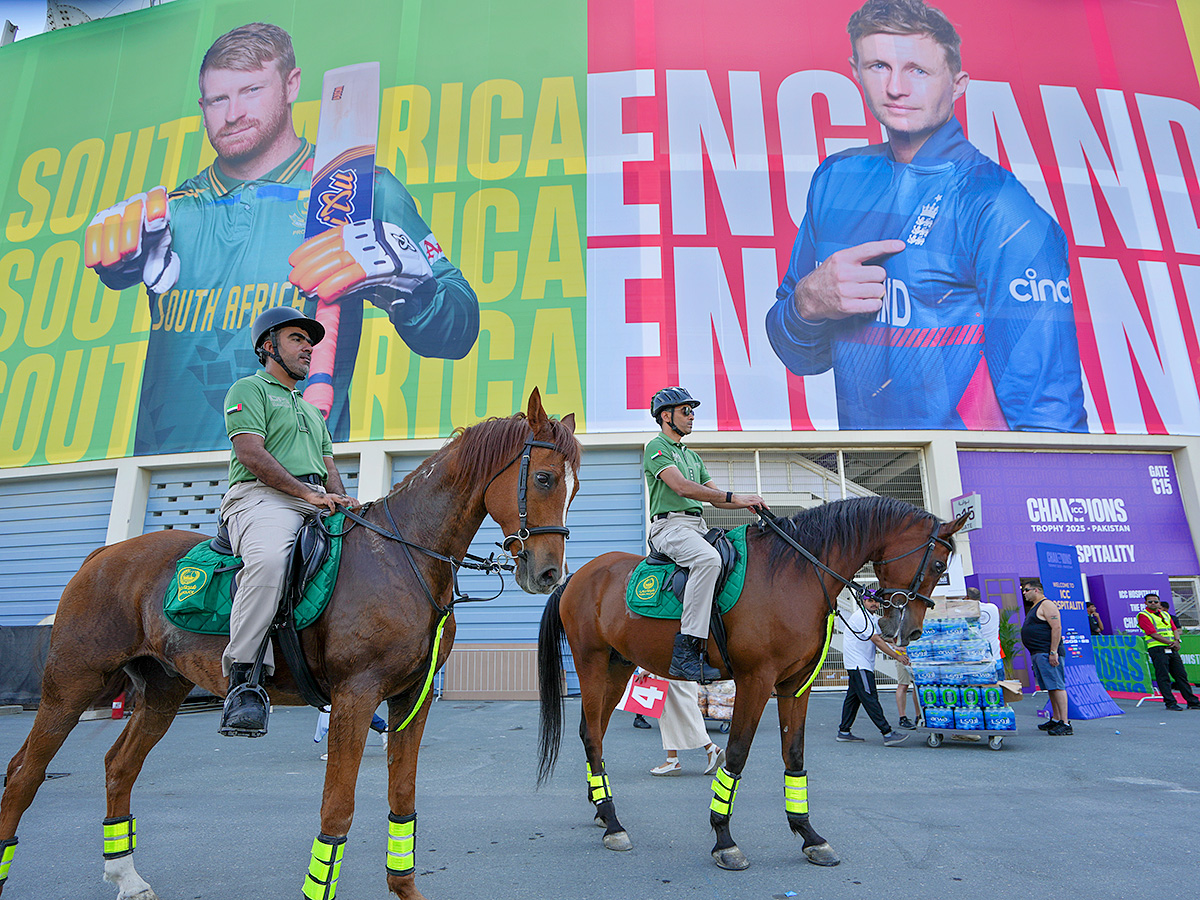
131,242
372,259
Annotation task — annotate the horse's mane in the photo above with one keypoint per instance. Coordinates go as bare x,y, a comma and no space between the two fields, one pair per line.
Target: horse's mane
853,526
478,451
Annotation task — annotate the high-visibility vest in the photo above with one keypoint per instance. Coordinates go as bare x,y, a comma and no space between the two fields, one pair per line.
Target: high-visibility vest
1162,624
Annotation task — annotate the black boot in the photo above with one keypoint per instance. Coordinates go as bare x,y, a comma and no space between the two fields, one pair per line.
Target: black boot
246,705
687,661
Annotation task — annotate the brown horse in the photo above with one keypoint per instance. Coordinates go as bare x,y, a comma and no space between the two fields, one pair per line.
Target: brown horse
375,641
778,635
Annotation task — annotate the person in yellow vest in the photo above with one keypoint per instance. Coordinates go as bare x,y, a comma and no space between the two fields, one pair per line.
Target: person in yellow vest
1162,643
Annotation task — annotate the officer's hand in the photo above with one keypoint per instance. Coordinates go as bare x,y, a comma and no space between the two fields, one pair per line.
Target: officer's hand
749,501
374,260
132,240
320,498
846,284
345,500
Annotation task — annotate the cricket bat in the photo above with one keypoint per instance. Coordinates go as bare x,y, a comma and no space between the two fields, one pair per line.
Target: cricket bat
343,187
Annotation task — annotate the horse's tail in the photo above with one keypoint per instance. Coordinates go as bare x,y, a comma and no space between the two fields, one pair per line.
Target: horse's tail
550,689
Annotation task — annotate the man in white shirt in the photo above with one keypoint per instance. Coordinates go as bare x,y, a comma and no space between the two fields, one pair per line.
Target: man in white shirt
859,644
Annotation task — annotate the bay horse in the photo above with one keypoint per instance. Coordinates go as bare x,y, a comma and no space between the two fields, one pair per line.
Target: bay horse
778,634
377,639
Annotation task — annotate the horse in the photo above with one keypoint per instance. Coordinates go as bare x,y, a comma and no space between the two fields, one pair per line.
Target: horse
778,634
377,640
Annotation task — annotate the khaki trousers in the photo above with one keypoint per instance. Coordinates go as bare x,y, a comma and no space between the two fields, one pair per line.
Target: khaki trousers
262,524
681,537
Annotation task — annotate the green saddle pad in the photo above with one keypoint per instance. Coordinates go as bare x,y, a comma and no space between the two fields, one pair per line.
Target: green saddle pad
648,595
199,599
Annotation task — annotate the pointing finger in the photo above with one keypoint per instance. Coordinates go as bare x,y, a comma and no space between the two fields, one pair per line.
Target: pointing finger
872,249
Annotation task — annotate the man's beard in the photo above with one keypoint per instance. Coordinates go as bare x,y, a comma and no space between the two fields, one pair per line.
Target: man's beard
245,146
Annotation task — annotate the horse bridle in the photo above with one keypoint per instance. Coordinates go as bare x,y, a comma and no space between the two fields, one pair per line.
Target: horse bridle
886,596
525,532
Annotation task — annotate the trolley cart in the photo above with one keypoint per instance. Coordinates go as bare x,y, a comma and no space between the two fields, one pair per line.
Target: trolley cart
935,736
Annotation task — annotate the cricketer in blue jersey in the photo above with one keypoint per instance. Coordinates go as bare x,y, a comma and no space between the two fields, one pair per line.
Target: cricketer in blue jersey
220,249
923,273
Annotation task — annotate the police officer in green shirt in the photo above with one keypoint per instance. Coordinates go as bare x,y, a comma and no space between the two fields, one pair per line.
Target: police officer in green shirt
281,470
678,483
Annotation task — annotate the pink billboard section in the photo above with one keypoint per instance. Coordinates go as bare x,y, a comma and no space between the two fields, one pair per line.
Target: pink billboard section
705,129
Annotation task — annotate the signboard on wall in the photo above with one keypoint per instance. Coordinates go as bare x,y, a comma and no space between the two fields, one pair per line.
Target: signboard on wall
1121,512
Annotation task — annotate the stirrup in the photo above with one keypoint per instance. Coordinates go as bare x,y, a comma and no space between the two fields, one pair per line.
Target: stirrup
239,717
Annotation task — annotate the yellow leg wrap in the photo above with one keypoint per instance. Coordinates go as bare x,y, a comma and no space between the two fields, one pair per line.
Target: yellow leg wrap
598,788
724,788
795,793
402,839
7,849
120,836
321,881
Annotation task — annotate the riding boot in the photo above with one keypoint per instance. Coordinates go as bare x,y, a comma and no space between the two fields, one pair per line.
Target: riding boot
688,663
246,705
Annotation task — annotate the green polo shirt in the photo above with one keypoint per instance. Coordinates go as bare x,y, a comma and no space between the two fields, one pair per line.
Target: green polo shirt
292,429
661,453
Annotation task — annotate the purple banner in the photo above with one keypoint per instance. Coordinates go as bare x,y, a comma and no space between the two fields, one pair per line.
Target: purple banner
1118,599
1121,511
1062,584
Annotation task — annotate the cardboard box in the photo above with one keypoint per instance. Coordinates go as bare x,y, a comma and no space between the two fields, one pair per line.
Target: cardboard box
953,609
1012,691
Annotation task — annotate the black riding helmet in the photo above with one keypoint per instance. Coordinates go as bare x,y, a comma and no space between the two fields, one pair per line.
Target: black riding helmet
668,397
276,316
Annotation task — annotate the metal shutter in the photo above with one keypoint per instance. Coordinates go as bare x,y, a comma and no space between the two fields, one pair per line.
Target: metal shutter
48,526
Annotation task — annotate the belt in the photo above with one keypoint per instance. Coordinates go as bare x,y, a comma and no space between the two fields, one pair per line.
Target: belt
311,479
680,512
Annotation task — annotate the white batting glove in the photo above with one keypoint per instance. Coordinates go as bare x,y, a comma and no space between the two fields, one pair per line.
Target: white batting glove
373,259
131,242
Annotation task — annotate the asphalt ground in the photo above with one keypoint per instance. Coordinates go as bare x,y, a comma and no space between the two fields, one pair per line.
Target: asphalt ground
1112,812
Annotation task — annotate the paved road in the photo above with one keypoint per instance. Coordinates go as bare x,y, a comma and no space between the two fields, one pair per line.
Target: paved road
1044,817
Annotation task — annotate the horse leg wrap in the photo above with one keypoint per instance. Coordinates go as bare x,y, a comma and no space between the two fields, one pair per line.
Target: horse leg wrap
724,788
321,881
120,836
402,838
795,792
7,849
598,787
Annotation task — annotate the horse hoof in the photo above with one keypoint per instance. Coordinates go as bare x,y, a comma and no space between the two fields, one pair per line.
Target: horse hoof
618,840
140,895
599,822
821,855
731,858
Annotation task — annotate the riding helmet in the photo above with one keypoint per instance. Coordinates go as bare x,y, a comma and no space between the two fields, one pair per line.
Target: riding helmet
671,396
283,315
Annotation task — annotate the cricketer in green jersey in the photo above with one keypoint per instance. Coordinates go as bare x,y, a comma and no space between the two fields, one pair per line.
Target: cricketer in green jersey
213,254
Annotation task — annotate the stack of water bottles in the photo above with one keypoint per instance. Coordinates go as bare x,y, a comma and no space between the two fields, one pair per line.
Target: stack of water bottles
955,678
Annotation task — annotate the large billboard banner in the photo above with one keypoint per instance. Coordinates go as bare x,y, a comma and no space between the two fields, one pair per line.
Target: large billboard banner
946,222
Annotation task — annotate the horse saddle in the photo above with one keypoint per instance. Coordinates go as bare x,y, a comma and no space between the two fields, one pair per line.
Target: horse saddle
308,554
677,579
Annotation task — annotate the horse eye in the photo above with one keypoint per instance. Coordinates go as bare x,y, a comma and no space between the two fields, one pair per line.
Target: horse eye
939,566
544,479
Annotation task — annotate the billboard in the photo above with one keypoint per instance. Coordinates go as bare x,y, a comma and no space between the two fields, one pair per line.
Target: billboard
1121,512
657,196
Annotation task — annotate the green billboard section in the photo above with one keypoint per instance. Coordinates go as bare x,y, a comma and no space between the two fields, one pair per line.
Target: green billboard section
489,142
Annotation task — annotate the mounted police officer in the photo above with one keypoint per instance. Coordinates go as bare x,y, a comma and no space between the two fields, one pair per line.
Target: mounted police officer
281,470
678,483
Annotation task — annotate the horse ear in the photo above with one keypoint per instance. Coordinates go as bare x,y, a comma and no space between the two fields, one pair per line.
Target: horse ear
568,422
952,527
534,412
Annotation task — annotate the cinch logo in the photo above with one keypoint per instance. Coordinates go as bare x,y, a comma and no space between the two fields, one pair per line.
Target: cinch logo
647,588
1076,509
191,581
337,200
897,307
1044,289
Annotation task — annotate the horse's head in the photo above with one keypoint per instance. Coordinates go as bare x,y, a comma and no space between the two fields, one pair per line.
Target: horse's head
529,497
914,559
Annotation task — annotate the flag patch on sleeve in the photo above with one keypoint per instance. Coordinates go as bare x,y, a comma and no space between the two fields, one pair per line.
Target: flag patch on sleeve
658,454
234,409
